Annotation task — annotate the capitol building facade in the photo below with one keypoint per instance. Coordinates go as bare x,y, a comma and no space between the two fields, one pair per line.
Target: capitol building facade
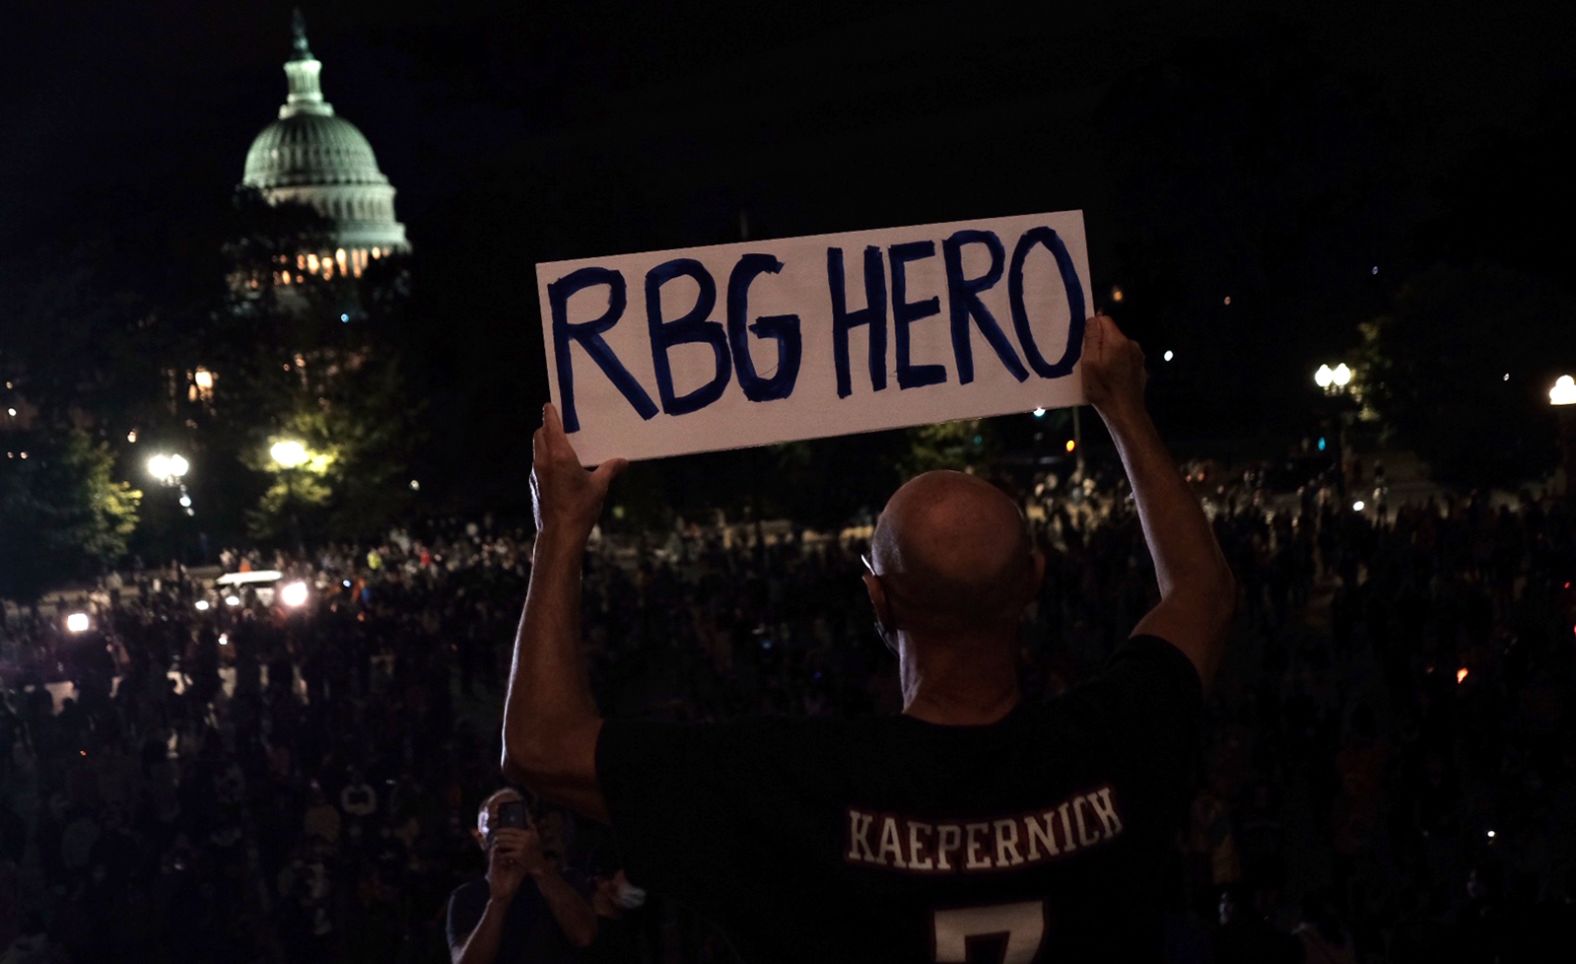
310,156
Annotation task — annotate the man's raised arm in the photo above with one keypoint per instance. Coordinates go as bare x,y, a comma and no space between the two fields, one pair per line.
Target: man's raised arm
1198,595
550,721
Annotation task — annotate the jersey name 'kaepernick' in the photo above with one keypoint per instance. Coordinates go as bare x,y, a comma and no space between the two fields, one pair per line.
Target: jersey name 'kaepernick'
941,847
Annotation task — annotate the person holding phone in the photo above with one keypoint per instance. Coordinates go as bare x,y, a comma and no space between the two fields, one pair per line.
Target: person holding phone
975,825
523,909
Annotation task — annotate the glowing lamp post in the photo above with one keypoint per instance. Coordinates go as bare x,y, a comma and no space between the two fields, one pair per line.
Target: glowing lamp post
1563,397
169,470
289,455
1333,381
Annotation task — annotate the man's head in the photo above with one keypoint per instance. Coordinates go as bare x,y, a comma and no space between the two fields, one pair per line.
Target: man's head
951,561
487,814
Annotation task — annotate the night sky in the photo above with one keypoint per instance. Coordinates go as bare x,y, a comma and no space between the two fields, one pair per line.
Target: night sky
1275,153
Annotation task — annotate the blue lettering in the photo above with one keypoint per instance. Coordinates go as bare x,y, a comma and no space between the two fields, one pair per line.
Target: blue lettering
589,335
783,328
963,297
1075,303
843,320
693,328
905,314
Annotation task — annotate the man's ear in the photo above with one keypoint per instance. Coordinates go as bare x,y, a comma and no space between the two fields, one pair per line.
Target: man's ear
879,601
476,835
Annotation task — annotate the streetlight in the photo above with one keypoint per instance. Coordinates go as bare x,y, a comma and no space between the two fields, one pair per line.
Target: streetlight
1333,381
1564,391
168,468
77,623
288,453
1563,397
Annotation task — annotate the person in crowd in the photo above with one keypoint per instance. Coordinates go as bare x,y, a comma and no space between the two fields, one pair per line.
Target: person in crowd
523,911
971,816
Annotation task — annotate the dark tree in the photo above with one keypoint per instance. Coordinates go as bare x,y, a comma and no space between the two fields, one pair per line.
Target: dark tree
62,514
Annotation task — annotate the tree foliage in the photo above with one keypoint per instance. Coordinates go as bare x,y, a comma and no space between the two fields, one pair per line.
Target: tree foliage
63,516
1435,367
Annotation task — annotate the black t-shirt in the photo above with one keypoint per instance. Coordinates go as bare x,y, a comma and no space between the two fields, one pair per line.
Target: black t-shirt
531,934
1043,837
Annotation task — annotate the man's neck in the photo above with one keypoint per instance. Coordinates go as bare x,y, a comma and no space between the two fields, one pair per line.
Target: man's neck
969,684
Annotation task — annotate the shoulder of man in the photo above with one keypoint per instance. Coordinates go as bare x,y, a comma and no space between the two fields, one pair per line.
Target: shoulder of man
467,903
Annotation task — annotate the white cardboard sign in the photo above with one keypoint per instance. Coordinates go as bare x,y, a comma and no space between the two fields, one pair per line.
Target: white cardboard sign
733,345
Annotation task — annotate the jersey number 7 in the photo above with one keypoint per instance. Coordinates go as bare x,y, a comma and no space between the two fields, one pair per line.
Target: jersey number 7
1023,923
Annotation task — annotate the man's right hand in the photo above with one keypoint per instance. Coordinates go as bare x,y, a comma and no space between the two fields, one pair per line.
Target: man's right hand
1113,368
508,862
565,497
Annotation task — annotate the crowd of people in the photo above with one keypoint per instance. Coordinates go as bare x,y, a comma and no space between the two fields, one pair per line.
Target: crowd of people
1387,770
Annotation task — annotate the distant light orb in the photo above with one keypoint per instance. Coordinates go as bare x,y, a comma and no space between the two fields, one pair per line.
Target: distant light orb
224,639
167,467
77,623
1116,294
232,600
1506,377
1462,674
1491,835
1169,355
288,453
1357,506
186,502
1342,375
1564,391
1071,444
293,594
415,486
1374,270
1324,377
11,412
1039,413
131,436
202,605
344,319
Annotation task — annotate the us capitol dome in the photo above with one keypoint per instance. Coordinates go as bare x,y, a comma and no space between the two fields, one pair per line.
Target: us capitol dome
311,156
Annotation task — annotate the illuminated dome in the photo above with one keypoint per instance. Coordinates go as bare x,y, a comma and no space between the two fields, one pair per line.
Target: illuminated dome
310,156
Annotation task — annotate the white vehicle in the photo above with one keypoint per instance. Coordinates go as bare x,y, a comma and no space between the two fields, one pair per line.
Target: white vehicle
264,582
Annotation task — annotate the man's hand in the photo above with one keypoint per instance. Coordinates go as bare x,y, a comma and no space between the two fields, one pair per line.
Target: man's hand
604,899
566,498
508,861
1113,368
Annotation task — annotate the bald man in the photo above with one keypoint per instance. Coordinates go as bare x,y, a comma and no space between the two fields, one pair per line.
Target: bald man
971,827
